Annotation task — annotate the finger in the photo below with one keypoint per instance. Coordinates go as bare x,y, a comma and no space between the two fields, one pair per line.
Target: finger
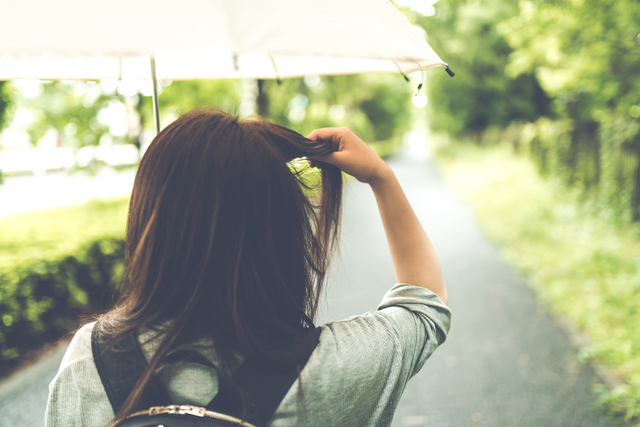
322,133
332,158
326,134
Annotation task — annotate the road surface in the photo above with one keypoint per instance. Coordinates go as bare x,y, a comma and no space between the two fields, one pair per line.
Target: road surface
505,363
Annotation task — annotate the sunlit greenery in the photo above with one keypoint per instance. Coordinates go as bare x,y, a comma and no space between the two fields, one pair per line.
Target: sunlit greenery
77,114
376,107
585,53
557,83
480,95
546,96
70,109
182,96
43,236
561,76
56,266
5,103
580,265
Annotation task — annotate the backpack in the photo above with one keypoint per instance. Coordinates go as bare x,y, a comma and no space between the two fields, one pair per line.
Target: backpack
119,372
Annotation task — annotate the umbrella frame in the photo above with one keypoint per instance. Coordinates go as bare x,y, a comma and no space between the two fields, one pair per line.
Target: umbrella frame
154,80
156,112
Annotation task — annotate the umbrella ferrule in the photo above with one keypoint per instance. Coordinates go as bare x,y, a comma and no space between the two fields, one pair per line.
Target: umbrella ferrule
449,71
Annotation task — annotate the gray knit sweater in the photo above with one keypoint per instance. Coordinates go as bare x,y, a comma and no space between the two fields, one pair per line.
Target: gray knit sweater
355,376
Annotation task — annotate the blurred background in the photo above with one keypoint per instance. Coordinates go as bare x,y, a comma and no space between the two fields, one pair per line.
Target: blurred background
539,133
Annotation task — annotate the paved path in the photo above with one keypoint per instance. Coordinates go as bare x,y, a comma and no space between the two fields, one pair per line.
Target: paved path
505,364
23,397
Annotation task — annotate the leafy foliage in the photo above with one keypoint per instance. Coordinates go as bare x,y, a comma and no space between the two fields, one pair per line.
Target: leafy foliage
558,82
580,266
71,109
56,266
5,109
584,115
179,97
480,95
376,107
586,54
6,96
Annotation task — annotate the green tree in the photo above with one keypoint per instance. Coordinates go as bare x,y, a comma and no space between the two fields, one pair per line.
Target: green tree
377,107
5,104
465,34
178,97
586,54
71,109
6,97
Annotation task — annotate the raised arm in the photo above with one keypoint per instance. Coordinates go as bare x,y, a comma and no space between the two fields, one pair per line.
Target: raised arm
413,257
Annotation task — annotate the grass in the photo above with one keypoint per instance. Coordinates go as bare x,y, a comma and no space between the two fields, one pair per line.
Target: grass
55,233
580,264
55,266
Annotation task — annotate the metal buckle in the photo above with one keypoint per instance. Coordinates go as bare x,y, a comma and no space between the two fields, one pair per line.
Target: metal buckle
156,410
191,410
178,409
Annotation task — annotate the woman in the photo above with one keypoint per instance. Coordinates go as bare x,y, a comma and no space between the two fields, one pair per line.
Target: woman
226,255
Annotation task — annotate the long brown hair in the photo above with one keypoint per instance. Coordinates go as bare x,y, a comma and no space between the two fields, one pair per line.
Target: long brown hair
223,243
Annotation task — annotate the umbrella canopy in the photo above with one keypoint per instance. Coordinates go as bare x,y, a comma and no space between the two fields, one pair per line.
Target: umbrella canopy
203,39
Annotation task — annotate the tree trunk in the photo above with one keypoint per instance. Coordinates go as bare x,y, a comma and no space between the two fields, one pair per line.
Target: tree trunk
262,100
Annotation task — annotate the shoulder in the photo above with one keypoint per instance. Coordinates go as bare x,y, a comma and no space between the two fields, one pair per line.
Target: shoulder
357,372
77,385
77,369
79,349
408,305
408,317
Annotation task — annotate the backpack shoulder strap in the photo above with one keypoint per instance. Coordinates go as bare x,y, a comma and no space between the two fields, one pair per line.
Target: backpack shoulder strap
119,371
268,389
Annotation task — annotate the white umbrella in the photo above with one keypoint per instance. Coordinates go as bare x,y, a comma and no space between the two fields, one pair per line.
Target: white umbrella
204,39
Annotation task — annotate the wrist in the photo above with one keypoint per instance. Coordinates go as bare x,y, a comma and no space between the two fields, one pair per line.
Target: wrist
381,176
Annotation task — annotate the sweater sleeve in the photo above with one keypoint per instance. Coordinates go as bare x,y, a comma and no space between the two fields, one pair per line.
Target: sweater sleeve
76,395
420,321
362,364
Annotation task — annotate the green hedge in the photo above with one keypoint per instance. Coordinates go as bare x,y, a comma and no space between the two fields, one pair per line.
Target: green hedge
56,267
601,159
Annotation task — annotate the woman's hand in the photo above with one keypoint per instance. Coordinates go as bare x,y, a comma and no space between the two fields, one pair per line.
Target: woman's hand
413,257
352,155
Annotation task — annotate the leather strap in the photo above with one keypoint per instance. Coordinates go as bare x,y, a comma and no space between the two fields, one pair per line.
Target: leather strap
119,369
268,388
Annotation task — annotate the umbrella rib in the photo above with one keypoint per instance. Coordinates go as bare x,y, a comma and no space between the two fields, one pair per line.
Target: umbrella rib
422,75
275,69
401,72
156,113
